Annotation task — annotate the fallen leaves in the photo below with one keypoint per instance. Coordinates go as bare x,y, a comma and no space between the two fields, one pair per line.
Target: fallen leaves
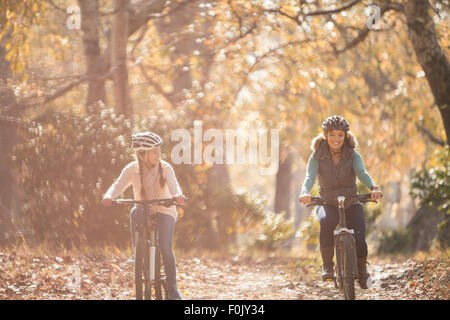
44,277
29,276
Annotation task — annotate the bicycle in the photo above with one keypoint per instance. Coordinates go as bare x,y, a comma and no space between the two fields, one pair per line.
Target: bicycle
147,256
345,248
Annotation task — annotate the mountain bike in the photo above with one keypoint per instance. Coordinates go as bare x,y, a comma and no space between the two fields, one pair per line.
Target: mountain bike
149,282
345,248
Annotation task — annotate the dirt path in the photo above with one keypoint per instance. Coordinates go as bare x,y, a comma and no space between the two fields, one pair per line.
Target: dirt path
209,279
99,277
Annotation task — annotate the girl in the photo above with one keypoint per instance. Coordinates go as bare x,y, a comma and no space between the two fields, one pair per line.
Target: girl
151,178
337,163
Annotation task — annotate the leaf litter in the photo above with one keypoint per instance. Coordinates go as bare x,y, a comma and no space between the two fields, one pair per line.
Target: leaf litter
98,277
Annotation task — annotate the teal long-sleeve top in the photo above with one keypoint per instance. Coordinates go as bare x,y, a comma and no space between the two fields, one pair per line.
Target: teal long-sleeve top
358,167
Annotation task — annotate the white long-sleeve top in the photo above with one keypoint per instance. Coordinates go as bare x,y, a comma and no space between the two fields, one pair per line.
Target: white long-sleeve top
130,176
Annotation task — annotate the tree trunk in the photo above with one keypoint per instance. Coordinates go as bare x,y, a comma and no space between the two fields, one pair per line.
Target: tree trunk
430,56
90,25
184,47
119,40
8,137
283,184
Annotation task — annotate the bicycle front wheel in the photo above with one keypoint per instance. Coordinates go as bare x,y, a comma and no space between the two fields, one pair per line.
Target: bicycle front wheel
346,264
141,279
349,267
160,282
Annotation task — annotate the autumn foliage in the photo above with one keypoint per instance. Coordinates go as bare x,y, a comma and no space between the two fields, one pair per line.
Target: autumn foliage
64,167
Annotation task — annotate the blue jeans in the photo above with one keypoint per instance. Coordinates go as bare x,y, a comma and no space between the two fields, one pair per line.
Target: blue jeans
328,217
166,229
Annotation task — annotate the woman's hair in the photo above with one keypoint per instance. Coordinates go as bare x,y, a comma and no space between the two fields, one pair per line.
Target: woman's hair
140,155
350,138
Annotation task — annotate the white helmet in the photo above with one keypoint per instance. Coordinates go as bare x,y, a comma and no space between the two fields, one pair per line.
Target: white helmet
145,141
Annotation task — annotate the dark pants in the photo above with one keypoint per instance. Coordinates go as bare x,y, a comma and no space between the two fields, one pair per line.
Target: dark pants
328,217
166,229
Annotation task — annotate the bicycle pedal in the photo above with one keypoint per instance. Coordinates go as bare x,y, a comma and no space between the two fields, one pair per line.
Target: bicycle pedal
328,278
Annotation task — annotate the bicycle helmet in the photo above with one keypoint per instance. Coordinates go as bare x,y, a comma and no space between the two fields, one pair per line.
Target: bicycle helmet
145,141
335,123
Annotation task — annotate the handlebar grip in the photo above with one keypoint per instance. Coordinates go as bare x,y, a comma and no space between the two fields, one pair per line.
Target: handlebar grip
364,196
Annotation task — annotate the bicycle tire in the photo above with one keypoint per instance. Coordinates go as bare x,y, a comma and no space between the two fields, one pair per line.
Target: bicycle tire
160,283
349,267
139,268
147,284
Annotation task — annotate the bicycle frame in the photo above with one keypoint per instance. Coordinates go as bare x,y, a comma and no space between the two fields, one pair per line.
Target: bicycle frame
146,251
345,247
149,231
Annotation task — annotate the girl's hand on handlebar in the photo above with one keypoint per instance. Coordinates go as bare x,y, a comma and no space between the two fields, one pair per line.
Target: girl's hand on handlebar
107,202
180,199
305,199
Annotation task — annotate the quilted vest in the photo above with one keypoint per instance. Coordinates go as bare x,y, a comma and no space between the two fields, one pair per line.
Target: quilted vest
336,179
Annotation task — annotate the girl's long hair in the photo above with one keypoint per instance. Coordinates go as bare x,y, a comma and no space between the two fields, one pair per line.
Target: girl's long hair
140,156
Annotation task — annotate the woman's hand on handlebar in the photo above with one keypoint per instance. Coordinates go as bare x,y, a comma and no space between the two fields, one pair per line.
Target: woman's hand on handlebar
376,194
305,199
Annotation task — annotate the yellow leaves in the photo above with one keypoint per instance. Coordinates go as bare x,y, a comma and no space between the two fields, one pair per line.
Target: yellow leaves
10,14
35,7
331,85
179,62
202,168
180,212
202,178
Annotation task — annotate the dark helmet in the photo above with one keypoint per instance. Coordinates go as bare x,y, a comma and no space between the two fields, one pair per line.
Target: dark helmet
335,123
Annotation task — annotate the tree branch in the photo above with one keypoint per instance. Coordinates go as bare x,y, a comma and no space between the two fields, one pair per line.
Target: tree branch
331,11
156,85
429,135
314,13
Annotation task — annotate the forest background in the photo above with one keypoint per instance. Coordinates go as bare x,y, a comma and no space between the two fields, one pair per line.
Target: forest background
79,77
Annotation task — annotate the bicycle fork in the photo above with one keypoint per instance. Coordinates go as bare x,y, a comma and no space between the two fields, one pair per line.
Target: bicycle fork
340,235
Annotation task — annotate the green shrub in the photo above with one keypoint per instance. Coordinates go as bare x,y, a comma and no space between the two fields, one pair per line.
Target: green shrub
275,230
394,241
309,231
431,186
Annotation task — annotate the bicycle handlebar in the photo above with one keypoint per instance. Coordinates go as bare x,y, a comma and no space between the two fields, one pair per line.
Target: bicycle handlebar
361,198
163,202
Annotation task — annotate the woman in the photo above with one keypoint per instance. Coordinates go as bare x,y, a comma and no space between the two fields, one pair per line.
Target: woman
151,178
336,161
